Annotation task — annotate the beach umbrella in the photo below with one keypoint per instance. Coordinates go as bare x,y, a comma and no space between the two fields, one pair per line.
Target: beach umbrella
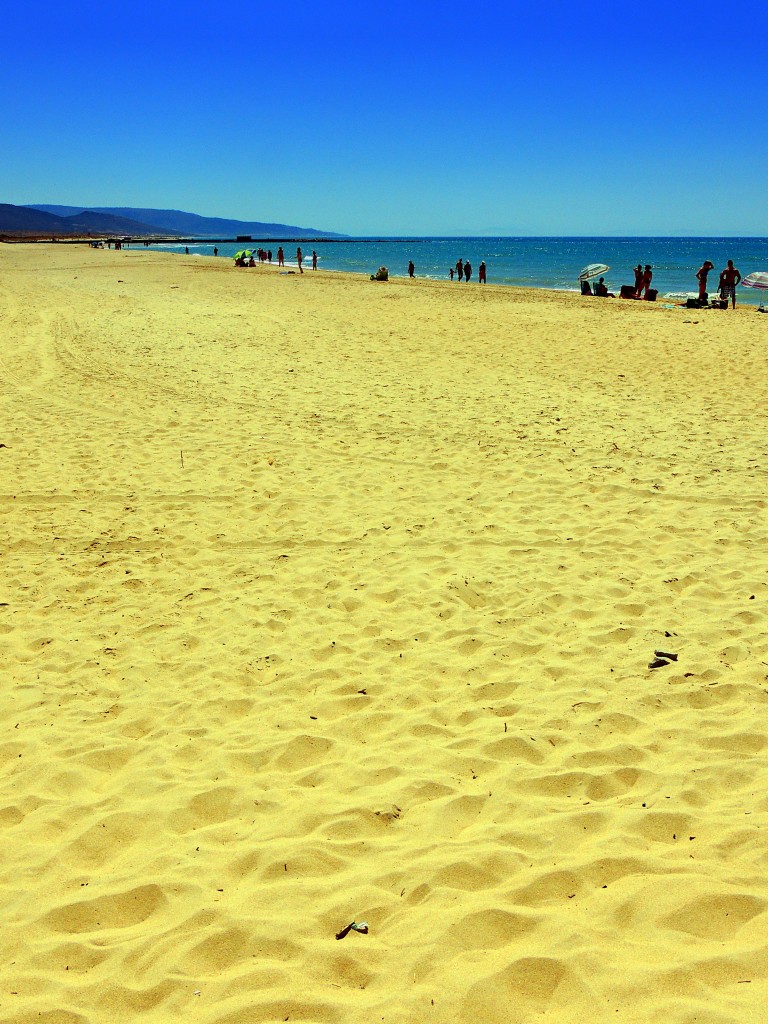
593,270
238,255
757,280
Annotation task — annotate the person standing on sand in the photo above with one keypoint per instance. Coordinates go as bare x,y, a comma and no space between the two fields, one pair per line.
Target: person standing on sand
299,258
280,257
729,278
460,270
451,272
314,260
467,271
647,278
701,277
481,273
215,250
411,268
638,280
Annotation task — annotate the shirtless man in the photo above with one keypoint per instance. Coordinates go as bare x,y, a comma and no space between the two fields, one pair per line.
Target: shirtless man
729,278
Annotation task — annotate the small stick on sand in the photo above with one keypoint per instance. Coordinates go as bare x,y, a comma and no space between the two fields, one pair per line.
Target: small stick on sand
355,926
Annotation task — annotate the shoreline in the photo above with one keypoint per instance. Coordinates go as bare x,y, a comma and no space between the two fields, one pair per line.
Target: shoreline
677,294
745,298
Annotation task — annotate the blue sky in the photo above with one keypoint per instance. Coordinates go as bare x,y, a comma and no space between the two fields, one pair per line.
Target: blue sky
392,118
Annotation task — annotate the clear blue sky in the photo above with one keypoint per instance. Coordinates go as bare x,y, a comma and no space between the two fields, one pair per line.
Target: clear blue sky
392,118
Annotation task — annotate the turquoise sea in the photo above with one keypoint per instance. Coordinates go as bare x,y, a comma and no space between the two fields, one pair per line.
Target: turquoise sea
530,262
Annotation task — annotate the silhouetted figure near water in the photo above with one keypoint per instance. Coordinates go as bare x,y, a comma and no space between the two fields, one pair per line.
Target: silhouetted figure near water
701,277
299,259
601,290
647,278
481,272
638,280
460,269
411,268
729,278
280,257
467,271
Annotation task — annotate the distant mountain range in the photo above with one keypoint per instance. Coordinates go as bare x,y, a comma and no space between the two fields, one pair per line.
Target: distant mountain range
46,219
24,220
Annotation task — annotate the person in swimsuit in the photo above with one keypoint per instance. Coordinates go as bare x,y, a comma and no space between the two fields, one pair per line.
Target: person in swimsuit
299,258
638,280
481,273
729,278
647,278
701,277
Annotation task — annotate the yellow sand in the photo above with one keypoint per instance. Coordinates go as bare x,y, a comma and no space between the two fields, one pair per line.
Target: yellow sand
326,600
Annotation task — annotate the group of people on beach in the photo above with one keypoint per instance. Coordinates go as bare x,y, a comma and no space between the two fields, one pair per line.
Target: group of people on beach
726,287
299,259
729,278
463,271
643,278
265,256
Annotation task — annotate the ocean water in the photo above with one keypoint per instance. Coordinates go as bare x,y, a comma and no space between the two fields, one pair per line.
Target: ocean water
531,262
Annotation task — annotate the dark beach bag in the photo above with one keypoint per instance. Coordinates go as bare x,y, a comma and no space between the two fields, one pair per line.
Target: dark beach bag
627,291
652,293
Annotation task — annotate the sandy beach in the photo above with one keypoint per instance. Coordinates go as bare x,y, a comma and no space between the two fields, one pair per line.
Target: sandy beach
327,601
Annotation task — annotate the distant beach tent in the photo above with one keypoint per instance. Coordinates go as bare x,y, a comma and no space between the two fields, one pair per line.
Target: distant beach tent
757,280
593,270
